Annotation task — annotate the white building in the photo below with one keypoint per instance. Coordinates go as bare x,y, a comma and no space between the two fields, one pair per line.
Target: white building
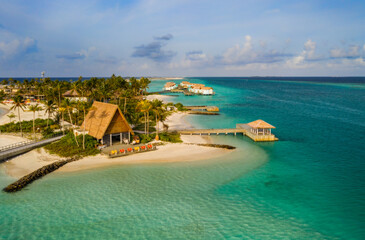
206,91
201,89
185,84
170,86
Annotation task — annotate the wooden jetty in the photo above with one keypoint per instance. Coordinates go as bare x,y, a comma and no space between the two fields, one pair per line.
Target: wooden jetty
14,149
261,132
203,108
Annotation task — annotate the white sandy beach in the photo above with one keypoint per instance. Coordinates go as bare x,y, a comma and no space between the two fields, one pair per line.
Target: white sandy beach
171,152
24,115
163,98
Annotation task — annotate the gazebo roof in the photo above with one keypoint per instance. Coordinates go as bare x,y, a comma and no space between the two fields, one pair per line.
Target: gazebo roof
70,93
105,118
260,124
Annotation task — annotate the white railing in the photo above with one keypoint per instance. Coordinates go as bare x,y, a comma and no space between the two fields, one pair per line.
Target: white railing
24,143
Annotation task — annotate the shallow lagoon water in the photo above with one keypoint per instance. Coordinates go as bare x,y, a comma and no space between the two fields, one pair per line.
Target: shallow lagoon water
308,185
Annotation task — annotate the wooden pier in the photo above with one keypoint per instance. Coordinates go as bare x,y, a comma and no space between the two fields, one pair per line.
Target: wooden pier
216,131
203,108
244,129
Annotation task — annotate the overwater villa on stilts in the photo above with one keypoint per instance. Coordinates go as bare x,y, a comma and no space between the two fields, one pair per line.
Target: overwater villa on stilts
106,123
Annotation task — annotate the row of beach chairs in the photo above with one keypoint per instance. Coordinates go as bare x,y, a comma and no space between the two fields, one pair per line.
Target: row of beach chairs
129,150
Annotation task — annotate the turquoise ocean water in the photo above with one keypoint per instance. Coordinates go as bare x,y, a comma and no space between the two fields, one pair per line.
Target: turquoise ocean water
308,185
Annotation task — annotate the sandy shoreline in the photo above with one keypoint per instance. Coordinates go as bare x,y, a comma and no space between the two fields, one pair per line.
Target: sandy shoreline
170,152
24,115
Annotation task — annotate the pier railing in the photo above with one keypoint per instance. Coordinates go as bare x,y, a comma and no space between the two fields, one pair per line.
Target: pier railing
27,142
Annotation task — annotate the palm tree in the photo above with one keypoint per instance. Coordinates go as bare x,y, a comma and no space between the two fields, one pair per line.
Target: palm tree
69,106
160,113
50,108
10,116
34,108
18,104
84,106
144,82
144,107
104,91
2,96
126,93
62,111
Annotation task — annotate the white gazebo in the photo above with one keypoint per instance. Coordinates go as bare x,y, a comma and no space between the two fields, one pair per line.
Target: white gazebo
260,127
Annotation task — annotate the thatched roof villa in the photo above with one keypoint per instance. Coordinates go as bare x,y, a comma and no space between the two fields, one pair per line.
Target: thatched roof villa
106,123
74,96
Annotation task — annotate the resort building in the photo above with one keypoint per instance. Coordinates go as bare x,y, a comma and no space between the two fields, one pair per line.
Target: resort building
74,96
170,86
194,89
206,90
106,123
258,130
201,89
185,84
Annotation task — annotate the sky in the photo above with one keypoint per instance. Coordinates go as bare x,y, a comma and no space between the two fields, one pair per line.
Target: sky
182,38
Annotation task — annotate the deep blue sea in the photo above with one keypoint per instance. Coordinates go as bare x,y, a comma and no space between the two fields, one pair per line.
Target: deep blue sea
308,185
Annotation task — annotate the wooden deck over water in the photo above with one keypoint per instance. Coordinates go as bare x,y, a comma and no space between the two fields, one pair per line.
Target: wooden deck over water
243,129
203,108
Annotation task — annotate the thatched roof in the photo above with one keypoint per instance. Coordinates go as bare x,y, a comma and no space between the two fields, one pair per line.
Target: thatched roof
70,93
170,84
260,124
105,118
206,88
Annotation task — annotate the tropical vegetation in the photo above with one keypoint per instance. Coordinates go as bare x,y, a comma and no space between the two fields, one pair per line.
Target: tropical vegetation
128,94
68,147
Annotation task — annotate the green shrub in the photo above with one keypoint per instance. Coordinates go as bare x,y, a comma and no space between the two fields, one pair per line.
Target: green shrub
27,126
170,137
146,138
164,136
67,147
179,106
48,132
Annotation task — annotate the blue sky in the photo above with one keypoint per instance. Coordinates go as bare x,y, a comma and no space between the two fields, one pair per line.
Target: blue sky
182,38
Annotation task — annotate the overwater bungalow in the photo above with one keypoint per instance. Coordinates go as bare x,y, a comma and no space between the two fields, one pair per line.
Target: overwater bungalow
170,86
185,84
106,123
201,89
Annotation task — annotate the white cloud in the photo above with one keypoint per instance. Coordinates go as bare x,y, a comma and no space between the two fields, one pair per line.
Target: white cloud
82,54
308,53
16,47
337,53
352,52
310,48
360,61
238,53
